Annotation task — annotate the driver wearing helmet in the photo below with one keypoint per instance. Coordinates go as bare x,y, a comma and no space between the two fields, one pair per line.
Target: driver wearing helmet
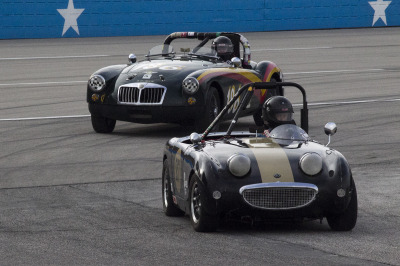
223,47
277,111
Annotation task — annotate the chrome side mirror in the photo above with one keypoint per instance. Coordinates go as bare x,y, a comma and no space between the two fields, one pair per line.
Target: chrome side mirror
330,130
132,59
195,138
236,62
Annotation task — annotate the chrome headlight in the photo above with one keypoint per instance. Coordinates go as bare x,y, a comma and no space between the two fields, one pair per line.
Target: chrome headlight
311,163
96,83
239,164
190,85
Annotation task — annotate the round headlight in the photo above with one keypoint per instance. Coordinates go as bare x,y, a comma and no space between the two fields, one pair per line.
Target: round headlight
190,85
239,164
96,82
311,163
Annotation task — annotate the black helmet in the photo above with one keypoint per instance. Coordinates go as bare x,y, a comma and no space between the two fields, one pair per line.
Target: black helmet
223,47
276,111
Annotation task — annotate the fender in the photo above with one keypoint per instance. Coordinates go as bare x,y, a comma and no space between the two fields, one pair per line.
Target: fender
244,76
268,70
110,75
206,171
110,71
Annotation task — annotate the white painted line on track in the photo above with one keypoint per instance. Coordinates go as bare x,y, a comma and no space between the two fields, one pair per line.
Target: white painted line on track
349,102
43,118
290,49
335,71
103,55
309,104
41,83
285,74
53,57
354,102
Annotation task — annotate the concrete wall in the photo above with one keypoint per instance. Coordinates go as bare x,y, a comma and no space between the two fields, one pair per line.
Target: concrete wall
95,18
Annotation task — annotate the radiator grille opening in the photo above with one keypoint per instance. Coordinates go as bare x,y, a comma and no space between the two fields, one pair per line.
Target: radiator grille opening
279,197
135,95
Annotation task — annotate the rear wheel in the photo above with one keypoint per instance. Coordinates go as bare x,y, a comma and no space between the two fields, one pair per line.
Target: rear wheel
212,110
346,220
201,221
103,124
170,209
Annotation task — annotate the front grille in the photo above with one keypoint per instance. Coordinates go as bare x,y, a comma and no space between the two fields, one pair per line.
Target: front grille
147,96
278,198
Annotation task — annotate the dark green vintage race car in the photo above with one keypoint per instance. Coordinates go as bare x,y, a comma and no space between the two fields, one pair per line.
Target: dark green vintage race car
189,87
283,175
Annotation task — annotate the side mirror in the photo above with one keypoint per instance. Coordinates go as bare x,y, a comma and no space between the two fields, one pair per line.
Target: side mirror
132,59
195,138
330,130
236,62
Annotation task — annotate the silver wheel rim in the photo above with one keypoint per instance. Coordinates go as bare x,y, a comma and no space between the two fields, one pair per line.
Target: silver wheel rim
195,203
165,190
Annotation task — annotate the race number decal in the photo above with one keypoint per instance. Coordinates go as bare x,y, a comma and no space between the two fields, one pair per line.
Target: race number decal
230,95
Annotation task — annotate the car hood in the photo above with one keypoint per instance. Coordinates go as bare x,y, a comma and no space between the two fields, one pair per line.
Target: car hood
272,161
156,71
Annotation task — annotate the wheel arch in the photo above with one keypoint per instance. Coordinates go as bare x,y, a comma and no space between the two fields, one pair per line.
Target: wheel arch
216,85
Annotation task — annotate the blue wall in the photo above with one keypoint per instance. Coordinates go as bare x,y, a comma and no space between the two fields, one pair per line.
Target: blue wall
93,18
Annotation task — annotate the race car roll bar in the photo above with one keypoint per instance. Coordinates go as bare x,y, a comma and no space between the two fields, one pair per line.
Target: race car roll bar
249,88
205,36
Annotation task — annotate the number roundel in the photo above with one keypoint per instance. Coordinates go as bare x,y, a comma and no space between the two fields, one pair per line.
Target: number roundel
230,95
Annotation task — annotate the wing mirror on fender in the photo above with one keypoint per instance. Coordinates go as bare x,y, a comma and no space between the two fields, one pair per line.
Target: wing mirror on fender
236,62
132,59
330,130
195,138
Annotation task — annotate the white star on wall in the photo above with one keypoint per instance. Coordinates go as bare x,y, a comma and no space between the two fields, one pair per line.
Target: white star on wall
379,6
70,15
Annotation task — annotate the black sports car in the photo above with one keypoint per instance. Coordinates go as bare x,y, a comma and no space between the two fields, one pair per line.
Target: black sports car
234,175
186,88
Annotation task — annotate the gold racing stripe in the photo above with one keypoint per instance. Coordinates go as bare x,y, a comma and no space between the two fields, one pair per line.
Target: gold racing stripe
271,159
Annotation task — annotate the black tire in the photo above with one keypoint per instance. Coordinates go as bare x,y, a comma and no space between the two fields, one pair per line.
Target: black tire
212,109
346,220
170,209
103,124
200,220
257,116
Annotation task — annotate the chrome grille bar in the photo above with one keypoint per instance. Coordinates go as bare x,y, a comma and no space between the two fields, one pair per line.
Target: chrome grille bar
141,94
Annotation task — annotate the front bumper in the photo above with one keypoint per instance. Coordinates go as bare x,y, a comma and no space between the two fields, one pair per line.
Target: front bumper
147,114
233,203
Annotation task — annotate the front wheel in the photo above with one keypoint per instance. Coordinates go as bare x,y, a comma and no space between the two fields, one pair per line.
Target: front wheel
346,220
212,109
201,221
170,209
102,124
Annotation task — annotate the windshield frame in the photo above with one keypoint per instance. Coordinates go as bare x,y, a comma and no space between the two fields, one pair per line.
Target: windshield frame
287,134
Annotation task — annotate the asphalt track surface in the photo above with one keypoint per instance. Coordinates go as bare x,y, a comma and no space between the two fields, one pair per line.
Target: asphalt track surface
69,196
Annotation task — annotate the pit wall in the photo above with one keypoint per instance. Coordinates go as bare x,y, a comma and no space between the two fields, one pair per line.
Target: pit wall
101,18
